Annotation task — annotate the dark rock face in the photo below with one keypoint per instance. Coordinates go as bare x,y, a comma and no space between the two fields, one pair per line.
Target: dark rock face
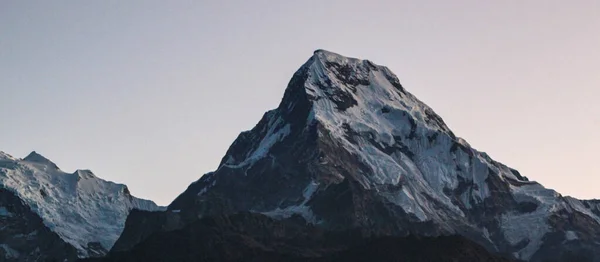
442,248
141,223
348,148
255,237
24,237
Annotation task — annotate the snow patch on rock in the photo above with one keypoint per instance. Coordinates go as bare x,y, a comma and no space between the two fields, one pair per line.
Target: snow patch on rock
301,209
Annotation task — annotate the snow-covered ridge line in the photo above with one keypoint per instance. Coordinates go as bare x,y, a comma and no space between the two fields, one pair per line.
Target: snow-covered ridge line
348,146
405,143
80,207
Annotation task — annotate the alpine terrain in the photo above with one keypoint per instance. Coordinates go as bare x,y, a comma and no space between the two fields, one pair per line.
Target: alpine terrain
349,164
49,215
349,148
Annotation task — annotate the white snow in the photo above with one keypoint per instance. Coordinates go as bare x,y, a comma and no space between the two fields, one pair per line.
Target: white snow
530,226
206,188
410,204
79,207
427,171
571,235
273,136
287,212
309,191
579,207
301,209
431,169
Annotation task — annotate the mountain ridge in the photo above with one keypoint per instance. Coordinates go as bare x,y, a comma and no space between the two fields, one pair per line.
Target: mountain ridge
349,147
84,211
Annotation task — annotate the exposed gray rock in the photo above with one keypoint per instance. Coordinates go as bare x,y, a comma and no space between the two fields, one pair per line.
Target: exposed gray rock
348,147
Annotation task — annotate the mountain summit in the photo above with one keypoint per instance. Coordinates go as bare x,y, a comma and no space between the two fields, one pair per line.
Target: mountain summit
50,215
350,148
35,157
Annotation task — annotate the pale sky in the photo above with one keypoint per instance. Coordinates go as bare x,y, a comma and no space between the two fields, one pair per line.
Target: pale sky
152,93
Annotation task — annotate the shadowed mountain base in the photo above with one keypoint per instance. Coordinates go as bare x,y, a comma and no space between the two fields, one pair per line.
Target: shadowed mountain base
255,237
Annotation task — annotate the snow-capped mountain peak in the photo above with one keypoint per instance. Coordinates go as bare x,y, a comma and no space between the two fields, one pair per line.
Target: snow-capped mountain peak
350,147
35,157
342,88
85,211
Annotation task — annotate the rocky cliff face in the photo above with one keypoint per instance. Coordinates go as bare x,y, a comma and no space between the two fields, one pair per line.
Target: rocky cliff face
350,148
47,214
23,236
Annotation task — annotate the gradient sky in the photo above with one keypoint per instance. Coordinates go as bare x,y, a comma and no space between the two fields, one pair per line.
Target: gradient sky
152,93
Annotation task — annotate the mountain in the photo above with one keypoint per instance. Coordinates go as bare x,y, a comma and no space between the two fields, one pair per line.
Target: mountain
47,214
256,237
349,148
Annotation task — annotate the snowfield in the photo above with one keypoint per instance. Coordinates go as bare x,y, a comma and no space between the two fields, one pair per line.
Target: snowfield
80,207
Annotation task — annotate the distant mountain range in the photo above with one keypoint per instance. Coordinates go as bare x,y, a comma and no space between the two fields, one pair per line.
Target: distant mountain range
47,214
349,167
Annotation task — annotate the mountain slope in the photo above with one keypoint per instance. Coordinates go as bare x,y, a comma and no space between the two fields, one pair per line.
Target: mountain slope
256,237
348,147
82,210
23,236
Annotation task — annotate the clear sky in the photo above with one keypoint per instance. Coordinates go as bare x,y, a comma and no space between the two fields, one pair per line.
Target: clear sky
152,93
